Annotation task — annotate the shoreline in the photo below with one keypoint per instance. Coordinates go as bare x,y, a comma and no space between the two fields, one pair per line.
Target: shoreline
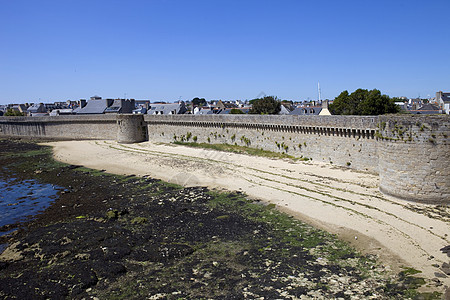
333,198
106,233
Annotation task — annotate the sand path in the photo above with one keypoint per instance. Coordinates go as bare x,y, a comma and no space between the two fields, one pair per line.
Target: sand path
339,200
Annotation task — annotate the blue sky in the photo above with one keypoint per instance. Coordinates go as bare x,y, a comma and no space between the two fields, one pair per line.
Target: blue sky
167,50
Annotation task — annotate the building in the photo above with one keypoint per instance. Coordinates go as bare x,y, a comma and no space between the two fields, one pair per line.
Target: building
36,109
62,112
202,111
167,108
95,106
427,109
284,110
121,106
444,101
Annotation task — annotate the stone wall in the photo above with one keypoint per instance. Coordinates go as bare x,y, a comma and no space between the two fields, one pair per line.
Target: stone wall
131,129
341,140
61,127
414,157
410,153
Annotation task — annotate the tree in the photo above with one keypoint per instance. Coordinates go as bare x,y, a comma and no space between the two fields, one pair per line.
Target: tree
198,101
14,113
268,105
287,102
235,111
363,102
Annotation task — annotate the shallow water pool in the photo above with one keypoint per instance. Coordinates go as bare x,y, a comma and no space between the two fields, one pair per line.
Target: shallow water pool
22,199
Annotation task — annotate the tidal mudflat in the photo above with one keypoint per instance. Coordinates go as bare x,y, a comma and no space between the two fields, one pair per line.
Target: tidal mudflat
127,237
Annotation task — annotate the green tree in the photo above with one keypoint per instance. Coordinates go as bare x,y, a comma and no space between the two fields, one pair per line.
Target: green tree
235,111
287,102
363,102
13,113
268,105
198,101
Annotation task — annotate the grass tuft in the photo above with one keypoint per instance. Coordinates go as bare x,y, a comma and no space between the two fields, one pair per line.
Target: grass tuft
242,150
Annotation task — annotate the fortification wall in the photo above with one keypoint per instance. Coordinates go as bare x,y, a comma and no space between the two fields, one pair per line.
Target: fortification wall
341,140
414,157
131,129
61,127
410,153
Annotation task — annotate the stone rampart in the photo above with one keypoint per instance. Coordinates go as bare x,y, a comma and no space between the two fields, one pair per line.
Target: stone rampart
410,153
61,127
342,140
414,157
131,129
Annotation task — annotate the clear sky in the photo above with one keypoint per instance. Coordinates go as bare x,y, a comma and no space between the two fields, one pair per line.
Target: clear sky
172,49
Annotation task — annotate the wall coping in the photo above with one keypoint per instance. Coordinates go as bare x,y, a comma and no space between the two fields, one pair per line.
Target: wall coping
70,118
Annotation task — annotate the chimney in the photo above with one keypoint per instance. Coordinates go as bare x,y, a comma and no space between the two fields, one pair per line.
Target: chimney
82,103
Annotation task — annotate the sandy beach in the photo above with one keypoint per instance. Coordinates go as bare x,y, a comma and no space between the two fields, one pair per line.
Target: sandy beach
339,200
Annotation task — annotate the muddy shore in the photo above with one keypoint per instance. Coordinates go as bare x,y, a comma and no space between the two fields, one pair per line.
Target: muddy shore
125,237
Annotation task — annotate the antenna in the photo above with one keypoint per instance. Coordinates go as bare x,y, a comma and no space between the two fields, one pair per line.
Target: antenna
318,89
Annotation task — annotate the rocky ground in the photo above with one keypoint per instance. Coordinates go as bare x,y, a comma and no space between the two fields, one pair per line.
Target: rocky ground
124,237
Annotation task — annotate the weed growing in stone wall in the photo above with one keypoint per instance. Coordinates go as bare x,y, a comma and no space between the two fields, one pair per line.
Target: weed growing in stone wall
282,146
245,140
215,135
233,137
194,138
423,127
378,134
209,139
188,136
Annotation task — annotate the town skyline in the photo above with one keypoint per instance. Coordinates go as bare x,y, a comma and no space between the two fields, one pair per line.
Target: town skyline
172,50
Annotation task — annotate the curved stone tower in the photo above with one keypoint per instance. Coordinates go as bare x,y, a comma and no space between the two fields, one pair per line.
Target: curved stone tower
131,128
414,157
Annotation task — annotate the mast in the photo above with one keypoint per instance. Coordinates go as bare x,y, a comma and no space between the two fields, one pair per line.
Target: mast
318,89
